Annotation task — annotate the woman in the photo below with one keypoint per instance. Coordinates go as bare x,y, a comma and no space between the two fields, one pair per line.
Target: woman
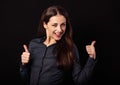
53,59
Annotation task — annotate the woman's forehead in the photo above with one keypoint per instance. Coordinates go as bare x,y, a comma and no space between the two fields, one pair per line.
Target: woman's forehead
57,19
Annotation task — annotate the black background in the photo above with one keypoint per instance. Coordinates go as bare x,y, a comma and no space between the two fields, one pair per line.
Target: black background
91,20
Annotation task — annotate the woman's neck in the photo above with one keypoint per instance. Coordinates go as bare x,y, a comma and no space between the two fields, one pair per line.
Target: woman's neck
49,41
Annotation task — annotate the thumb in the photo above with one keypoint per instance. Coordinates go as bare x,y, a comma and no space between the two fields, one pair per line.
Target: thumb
25,48
93,43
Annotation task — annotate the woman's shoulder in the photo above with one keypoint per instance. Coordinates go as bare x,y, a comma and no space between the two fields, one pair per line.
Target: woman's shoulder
37,40
35,43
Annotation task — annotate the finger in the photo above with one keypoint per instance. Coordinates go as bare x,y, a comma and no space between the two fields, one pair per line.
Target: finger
93,43
25,48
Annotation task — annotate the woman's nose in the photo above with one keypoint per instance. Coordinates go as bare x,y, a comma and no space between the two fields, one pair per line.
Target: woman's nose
59,29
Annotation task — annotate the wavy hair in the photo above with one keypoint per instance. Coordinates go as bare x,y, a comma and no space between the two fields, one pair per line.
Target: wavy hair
64,47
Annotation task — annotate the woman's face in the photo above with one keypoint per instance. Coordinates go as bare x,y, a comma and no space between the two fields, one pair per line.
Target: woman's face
56,27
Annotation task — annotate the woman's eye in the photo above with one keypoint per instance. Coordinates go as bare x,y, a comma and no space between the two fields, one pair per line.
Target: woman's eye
63,25
54,25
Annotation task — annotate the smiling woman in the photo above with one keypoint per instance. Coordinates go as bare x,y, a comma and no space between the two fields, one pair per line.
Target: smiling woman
53,59
55,28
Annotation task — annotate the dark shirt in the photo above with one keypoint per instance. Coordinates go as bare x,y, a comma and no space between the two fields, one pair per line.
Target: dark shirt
42,68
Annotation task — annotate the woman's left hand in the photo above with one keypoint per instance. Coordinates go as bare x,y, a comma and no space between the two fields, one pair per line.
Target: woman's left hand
91,50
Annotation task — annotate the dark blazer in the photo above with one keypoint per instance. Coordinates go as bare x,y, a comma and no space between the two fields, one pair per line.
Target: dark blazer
43,70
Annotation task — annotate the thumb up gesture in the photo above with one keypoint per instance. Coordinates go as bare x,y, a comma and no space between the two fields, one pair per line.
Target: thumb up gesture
25,57
91,50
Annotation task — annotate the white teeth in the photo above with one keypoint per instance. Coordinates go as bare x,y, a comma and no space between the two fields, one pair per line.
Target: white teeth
57,34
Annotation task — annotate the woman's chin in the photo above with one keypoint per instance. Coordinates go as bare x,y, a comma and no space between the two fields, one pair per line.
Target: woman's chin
57,38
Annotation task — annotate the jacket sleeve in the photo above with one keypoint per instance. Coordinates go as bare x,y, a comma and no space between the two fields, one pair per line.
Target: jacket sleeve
25,69
24,74
82,75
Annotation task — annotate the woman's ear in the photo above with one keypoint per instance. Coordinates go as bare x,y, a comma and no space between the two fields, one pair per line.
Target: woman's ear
44,24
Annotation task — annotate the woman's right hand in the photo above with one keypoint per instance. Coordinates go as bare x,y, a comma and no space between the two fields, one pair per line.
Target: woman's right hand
25,57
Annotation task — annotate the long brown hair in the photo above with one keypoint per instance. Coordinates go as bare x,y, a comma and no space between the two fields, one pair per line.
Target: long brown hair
64,47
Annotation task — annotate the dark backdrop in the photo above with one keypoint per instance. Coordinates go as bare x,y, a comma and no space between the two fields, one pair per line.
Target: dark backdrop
91,20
